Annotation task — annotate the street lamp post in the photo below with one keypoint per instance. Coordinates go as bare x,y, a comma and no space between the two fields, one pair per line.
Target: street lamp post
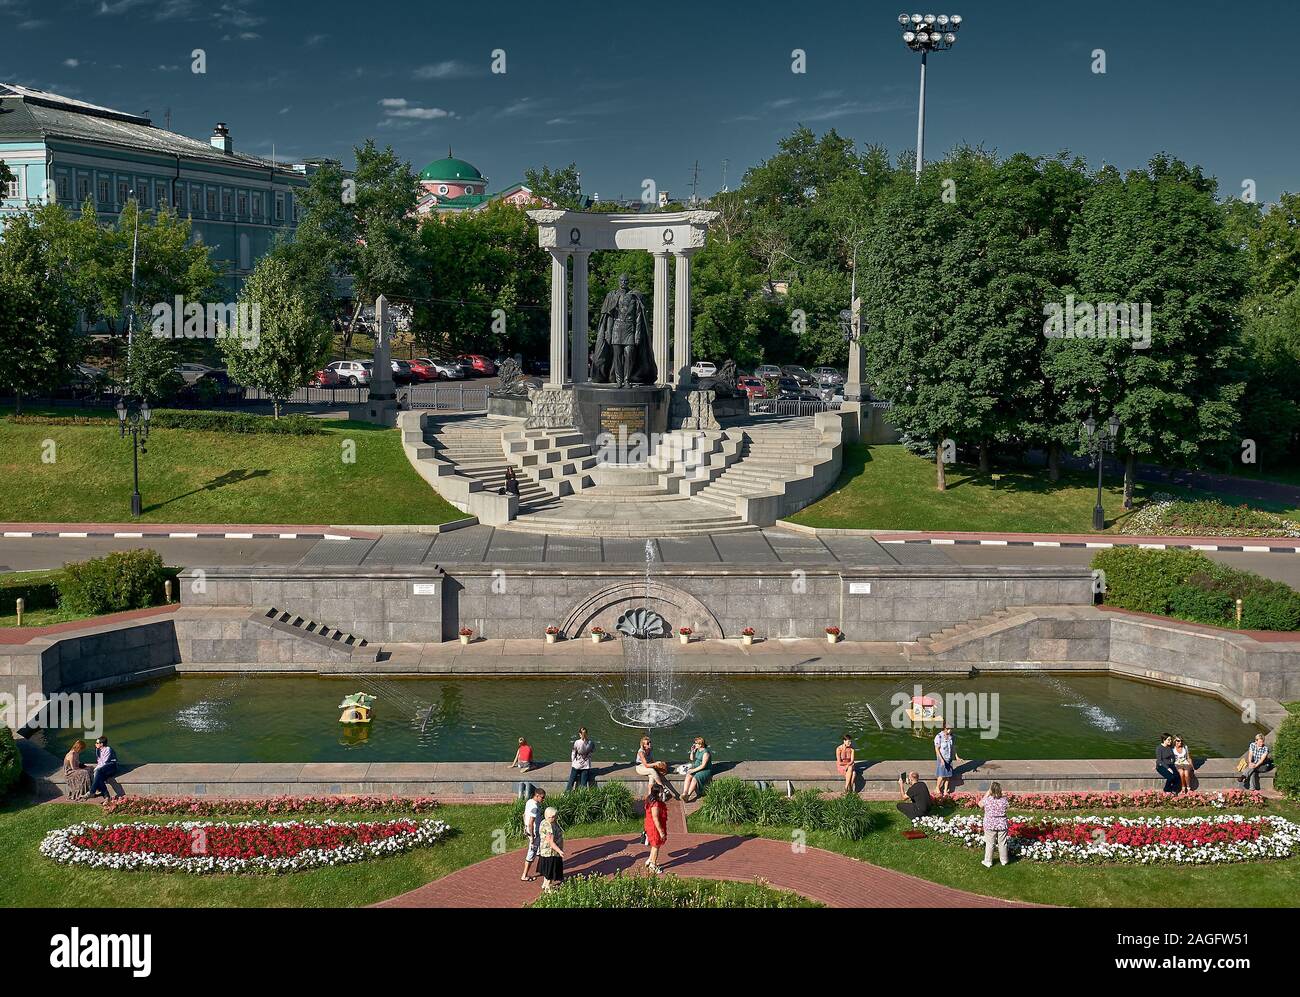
926,33
1099,444
137,425
135,252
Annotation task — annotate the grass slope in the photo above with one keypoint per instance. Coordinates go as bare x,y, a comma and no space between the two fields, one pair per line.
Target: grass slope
888,488
207,477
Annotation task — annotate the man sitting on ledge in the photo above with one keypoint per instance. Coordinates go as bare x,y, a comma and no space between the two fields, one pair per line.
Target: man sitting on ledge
916,796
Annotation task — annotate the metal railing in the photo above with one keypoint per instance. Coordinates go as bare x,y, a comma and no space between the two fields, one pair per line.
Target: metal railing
464,397
794,406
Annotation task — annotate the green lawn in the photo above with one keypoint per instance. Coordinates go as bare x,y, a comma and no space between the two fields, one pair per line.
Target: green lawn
1246,884
888,488
206,477
33,881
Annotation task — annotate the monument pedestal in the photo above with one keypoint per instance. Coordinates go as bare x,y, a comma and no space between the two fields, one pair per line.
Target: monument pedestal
621,424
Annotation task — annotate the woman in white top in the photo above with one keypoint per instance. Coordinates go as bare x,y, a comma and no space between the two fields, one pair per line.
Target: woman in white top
1184,765
655,772
580,761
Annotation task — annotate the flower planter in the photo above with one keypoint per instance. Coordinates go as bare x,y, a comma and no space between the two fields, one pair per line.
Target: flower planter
684,638
833,638
747,639
550,638
597,638
465,638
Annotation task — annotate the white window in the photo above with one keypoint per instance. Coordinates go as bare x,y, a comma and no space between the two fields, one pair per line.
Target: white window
243,204
83,188
102,190
161,192
14,188
225,202
196,201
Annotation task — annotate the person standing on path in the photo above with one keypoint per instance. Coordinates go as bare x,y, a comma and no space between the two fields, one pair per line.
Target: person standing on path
580,761
656,826
846,762
945,754
1165,762
551,863
995,824
532,831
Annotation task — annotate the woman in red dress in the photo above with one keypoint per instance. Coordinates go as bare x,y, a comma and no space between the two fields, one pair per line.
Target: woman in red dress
656,825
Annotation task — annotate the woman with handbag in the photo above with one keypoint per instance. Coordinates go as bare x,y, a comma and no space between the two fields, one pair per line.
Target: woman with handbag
656,826
656,773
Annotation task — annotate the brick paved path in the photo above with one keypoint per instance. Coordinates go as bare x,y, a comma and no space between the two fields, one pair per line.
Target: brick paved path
835,880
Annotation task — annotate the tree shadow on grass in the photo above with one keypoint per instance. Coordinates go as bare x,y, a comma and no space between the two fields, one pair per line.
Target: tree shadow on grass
234,477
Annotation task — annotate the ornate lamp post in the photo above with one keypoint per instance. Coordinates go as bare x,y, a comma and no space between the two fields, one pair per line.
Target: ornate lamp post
137,424
926,33
1099,444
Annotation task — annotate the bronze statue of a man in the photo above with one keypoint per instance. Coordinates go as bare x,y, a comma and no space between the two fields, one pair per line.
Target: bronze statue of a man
624,354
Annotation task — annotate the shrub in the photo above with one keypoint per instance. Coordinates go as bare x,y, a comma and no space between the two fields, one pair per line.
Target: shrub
41,592
126,579
1286,757
645,892
235,422
808,810
612,803
11,762
848,816
1187,585
771,809
729,801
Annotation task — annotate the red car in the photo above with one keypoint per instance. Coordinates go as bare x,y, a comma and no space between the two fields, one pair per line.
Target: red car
424,371
480,365
752,386
325,378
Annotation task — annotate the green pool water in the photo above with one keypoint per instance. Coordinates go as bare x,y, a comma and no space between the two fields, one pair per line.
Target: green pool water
209,718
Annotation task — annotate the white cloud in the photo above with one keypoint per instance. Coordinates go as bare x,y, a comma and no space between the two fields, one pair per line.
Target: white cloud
400,107
446,70
311,41
72,63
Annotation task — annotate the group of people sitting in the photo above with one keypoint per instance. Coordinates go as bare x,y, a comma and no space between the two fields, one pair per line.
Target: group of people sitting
85,783
696,773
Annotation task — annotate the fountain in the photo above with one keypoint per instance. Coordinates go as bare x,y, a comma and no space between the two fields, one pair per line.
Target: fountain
650,698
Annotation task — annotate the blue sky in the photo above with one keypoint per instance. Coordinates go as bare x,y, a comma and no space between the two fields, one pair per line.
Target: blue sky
642,90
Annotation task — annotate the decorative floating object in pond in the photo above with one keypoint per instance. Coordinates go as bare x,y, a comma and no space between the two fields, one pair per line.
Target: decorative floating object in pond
642,624
356,708
924,710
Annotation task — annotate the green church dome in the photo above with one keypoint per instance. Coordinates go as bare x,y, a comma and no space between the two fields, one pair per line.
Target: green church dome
450,169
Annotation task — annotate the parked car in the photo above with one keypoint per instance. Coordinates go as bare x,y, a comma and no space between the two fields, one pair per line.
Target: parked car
326,377
827,376
477,365
767,370
798,373
704,368
213,385
449,369
788,387
402,373
424,370
352,372
191,372
752,386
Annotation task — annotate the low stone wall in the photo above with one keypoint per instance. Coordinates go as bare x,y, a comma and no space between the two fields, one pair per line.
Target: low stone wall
493,780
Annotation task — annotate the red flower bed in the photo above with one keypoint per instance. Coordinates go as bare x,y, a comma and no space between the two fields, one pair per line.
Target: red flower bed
235,841
1208,832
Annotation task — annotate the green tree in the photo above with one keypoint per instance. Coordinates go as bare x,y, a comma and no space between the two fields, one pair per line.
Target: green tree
38,338
1157,237
562,186
292,336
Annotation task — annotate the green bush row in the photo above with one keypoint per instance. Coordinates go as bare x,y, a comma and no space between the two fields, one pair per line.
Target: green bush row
643,892
611,803
1187,585
1286,757
36,593
11,763
734,801
235,422
124,579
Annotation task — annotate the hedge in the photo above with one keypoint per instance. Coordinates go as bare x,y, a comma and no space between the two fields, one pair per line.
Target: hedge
235,422
11,762
1187,585
124,579
37,593
1286,757
662,892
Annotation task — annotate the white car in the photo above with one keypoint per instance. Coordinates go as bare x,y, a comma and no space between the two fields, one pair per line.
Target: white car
352,372
704,368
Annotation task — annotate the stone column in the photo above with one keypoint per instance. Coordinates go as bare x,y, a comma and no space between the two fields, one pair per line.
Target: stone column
661,321
578,342
854,388
381,374
559,316
682,319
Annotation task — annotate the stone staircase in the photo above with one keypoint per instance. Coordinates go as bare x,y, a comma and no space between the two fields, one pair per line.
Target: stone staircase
319,633
472,445
557,461
771,468
942,641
